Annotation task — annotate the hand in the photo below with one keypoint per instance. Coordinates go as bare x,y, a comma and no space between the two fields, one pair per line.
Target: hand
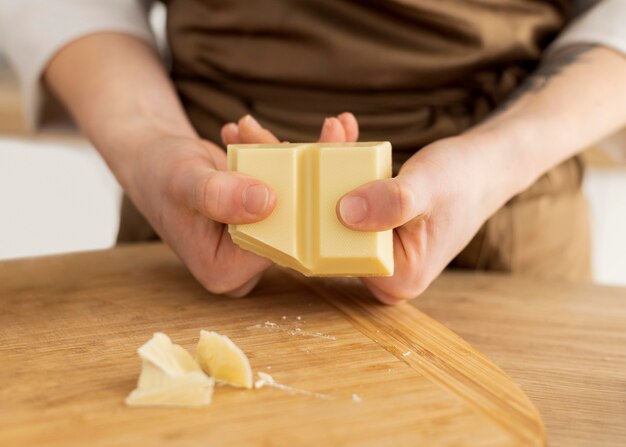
435,205
182,187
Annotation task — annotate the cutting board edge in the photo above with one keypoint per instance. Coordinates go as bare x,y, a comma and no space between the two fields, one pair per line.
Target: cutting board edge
347,294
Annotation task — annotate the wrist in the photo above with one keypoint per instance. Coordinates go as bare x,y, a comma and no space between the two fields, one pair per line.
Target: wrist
508,154
125,142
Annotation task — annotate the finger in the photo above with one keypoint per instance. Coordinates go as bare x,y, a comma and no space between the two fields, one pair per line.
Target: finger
251,132
383,204
350,126
222,196
221,266
246,288
332,131
230,134
413,271
403,286
216,154
381,295
245,267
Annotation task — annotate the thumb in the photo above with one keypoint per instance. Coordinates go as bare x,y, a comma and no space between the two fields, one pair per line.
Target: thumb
227,197
384,204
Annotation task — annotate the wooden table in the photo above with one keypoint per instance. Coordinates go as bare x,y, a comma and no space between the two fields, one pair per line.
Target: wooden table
563,344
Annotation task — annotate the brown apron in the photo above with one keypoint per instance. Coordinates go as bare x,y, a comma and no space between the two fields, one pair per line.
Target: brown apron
412,71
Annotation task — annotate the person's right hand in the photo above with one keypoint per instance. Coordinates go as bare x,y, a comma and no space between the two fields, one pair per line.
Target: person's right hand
182,187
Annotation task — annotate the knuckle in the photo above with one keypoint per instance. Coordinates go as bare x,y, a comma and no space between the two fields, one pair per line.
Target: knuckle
408,286
416,287
218,288
403,198
402,294
209,194
175,185
217,282
407,292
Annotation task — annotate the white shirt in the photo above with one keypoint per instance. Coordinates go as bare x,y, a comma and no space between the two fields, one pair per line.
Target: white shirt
33,31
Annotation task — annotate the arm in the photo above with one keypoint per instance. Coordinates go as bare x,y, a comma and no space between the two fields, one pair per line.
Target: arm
575,98
121,97
123,100
32,31
447,190
119,94
97,58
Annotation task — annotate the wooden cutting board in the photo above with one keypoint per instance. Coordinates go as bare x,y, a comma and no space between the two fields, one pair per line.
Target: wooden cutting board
70,327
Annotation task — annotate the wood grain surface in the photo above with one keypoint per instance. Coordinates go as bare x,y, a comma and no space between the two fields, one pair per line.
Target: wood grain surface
563,343
70,326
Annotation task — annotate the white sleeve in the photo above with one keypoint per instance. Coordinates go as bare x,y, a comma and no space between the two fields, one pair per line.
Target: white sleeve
602,24
32,31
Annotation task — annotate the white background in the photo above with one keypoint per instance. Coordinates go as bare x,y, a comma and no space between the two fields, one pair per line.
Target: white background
55,196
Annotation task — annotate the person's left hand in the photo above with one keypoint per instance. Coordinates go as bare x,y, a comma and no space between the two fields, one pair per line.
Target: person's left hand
436,204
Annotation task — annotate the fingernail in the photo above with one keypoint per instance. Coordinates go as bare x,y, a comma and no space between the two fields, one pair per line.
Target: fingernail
353,209
252,122
255,198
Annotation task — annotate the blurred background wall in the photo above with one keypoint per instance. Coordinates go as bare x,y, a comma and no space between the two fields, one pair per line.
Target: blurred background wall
57,195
